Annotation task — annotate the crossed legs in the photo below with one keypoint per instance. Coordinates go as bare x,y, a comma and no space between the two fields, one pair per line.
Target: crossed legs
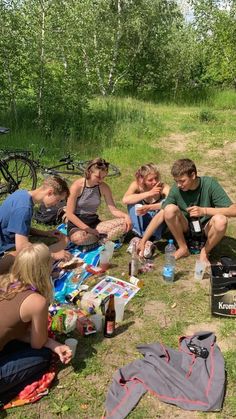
113,228
178,225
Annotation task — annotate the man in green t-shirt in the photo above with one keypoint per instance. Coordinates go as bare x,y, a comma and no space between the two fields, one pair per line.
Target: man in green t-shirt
201,197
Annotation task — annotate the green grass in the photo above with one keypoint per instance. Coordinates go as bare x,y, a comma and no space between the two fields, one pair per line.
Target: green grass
128,133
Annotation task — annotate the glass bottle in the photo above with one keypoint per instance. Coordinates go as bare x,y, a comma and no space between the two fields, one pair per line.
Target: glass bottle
110,318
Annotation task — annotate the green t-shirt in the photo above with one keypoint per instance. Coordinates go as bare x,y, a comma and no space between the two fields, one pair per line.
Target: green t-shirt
209,194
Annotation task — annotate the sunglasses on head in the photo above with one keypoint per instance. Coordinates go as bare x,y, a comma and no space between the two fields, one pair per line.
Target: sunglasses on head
99,165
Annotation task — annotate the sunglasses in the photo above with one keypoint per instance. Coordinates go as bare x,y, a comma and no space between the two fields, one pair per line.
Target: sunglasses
102,165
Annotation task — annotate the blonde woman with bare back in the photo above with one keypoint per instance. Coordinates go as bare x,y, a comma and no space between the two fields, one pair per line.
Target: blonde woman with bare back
25,349
148,191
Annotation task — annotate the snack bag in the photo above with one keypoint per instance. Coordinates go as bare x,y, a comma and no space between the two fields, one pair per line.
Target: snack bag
64,321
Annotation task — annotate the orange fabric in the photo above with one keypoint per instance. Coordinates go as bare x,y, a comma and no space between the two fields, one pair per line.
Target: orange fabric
34,391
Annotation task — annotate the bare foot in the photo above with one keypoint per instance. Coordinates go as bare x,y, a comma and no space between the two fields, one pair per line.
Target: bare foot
182,252
204,257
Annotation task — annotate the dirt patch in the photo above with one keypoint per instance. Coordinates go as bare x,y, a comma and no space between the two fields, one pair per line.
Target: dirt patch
176,142
229,147
159,310
154,308
226,151
185,285
173,412
217,152
138,323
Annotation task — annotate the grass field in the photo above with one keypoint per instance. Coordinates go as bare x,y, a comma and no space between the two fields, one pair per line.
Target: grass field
128,133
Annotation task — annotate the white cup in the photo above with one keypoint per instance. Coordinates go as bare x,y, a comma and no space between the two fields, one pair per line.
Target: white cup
119,308
199,271
137,206
97,320
72,343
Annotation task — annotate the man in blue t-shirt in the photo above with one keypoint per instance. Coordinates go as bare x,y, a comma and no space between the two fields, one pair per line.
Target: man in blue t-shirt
197,197
15,220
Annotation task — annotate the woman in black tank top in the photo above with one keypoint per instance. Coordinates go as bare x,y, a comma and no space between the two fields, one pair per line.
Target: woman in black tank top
84,225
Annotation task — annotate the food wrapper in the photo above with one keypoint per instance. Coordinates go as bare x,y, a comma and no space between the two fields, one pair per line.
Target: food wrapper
64,321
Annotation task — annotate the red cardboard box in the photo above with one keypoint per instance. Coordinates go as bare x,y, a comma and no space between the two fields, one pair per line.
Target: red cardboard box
85,326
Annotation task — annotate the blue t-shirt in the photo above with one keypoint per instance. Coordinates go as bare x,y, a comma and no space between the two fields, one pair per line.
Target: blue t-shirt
15,218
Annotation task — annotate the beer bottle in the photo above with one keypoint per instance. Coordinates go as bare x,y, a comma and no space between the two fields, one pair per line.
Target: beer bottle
195,226
110,318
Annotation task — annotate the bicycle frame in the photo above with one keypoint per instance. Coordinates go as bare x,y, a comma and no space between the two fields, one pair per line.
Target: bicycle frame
12,185
74,168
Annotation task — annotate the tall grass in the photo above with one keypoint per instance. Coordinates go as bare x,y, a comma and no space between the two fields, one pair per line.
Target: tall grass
129,131
224,99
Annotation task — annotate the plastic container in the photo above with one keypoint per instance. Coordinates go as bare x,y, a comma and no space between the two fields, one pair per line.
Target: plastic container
134,263
199,270
120,309
106,255
168,272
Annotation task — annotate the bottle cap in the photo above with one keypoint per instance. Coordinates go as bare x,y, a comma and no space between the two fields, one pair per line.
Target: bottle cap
171,241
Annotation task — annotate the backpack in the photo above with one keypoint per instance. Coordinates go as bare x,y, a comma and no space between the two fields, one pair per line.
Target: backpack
50,215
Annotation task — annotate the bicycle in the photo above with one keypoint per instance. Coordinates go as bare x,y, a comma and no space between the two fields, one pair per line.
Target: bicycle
16,170
19,169
72,167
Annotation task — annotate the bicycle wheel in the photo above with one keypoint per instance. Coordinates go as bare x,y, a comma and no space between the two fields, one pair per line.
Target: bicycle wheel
81,166
17,172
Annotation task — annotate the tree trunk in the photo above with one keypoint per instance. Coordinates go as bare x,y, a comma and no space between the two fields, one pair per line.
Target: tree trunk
101,85
42,60
115,50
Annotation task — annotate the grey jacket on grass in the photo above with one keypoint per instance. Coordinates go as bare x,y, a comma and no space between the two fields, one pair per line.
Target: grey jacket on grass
177,377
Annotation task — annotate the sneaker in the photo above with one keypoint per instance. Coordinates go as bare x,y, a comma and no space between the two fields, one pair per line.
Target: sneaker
149,249
132,243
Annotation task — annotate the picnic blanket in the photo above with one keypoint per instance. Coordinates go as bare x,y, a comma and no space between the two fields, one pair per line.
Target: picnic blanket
64,285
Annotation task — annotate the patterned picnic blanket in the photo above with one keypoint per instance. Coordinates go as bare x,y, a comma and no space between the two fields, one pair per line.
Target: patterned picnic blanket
64,285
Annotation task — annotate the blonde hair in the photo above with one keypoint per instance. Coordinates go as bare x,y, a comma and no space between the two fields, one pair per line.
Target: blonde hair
145,170
31,270
96,164
58,184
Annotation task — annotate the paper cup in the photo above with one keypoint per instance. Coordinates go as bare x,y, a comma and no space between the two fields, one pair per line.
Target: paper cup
72,343
119,308
137,206
199,271
97,320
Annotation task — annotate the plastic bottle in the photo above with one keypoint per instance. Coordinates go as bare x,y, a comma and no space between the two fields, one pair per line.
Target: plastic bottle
134,263
169,267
